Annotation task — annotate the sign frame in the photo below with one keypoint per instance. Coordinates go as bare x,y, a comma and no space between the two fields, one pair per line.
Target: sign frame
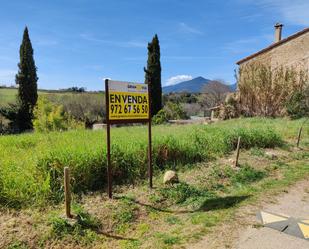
110,122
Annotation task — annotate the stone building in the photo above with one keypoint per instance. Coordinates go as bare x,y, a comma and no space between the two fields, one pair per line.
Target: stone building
268,79
292,51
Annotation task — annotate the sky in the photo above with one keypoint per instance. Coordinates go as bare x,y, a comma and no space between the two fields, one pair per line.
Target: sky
81,42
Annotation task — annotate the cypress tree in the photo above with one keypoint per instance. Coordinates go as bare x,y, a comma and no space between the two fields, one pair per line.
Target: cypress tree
153,75
26,79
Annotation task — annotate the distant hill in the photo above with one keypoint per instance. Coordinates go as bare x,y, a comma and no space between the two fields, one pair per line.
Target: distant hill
216,87
195,85
8,94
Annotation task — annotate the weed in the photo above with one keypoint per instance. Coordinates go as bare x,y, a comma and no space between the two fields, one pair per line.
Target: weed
130,244
182,193
206,219
247,174
172,220
84,219
142,229
17,245
300,155
82,229
257,152
123,214
168,239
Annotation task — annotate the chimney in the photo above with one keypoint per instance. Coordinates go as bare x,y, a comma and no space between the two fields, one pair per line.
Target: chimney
278,32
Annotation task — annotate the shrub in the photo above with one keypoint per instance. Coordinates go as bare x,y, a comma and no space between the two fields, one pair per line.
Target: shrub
87,108
298,105
51,117
265,91
170,111
160,117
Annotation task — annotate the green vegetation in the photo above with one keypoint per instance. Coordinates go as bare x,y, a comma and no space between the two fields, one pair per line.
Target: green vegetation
7,95
272,93
84,108
32,164
52,117
153,75
169,216
20,114
82,224
170,111
26,79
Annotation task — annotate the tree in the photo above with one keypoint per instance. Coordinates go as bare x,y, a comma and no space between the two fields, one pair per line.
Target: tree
214,93
26,79
153,75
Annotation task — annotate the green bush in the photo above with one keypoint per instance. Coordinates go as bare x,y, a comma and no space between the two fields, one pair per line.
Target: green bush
160,117
170,111
51,117
298,104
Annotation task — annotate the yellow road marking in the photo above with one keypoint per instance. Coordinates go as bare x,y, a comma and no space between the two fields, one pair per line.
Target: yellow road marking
270,218
305,230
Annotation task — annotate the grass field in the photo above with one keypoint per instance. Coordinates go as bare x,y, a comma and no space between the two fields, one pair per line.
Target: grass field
8,95
32,164
209,192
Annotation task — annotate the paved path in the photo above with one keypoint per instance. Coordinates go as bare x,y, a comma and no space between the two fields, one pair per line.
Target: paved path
244,234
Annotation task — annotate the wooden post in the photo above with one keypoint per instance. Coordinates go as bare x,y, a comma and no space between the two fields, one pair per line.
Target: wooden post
108,140
150,171
67,192
299,136
237,152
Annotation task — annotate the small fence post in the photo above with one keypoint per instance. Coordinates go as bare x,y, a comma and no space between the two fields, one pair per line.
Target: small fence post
237,152
299,136
67,192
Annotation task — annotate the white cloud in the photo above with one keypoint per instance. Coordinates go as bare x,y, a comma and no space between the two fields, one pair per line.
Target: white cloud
178,78
185,28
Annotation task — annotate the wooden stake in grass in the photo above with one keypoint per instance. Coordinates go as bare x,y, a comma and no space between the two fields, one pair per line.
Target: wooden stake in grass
299,136
237,152
67,192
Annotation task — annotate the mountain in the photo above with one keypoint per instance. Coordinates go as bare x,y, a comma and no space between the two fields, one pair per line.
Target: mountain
216,87
196,85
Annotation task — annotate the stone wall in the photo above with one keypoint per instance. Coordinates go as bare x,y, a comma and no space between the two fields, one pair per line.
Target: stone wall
293,53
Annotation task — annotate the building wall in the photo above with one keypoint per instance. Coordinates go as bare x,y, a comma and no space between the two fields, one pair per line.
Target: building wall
293,53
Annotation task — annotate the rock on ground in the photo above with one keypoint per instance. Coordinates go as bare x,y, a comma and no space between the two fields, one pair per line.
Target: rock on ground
170,176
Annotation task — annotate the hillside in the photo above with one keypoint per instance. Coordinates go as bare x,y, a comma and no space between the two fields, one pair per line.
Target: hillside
8,95
195,85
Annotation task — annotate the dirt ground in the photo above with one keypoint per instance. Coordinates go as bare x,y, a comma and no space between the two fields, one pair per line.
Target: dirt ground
246,232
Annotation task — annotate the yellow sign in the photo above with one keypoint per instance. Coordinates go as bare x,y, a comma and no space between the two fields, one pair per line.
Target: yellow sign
127,101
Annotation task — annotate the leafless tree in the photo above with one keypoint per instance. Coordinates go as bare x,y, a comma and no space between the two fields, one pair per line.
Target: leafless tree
214,93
